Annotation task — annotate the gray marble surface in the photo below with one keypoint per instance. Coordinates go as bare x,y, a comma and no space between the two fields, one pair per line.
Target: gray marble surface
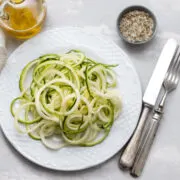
99,16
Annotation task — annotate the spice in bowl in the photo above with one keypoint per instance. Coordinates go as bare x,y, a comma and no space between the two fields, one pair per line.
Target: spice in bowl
137,26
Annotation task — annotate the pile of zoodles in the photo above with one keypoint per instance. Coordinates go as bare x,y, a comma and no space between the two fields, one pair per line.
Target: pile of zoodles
70,100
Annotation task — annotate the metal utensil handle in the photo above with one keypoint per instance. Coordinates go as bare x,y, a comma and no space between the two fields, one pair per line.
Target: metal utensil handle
127,158
145,147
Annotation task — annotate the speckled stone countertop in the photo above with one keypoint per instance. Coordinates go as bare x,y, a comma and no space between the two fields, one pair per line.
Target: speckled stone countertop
99,16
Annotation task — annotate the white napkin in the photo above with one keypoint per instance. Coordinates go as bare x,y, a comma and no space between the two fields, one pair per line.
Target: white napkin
3,50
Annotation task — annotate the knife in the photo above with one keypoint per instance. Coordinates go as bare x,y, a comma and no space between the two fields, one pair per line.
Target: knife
149,132
149,99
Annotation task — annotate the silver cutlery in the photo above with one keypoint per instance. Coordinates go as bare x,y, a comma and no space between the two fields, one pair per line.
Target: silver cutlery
152,91
170,83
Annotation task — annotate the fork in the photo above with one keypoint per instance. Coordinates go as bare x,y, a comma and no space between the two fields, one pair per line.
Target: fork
170,83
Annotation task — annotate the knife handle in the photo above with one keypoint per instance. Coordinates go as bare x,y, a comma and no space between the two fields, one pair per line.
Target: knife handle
128,156
146,144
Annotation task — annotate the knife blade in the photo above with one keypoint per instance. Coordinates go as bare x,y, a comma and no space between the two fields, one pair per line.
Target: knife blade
157,78
149,99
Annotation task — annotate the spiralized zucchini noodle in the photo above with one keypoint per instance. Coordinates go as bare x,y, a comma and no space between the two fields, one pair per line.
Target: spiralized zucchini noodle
70,100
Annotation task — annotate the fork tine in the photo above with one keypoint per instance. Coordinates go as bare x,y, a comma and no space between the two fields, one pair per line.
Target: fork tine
177,63
173,62
170,70
171,74
177,76
177,79
176,69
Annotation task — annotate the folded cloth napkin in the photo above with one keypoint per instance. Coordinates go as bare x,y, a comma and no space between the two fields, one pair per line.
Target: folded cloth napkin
3,51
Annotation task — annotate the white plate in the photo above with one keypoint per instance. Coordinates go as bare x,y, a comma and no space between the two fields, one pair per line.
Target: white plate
98,47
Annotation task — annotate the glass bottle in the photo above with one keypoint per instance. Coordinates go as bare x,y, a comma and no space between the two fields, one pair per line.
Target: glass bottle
22,19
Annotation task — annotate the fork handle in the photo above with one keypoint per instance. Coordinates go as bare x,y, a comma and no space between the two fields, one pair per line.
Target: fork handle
146,144
127,158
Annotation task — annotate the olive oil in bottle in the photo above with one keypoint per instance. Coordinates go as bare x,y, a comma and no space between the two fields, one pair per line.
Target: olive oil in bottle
22,18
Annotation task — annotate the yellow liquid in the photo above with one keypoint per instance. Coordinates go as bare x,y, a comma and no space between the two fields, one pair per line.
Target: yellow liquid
25,21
